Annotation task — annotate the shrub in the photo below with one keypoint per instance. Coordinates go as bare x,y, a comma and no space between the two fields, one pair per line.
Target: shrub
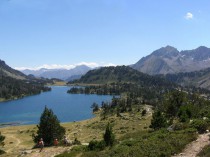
76,142
158,120
2,143
96,145
144,112
200,125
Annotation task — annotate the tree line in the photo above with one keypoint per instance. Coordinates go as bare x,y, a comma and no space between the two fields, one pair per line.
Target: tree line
12,88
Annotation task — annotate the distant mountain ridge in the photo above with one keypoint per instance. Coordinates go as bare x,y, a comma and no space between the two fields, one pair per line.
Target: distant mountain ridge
169,60
62,74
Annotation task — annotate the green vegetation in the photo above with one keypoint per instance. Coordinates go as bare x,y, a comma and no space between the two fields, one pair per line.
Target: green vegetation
14,84
49,128
108,140
155,144
195,78
11,88
158,120
95,107
179,112
183,112
109,136
1,143
121,74
205,152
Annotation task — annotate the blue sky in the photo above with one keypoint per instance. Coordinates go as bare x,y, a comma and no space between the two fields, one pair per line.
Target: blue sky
67,32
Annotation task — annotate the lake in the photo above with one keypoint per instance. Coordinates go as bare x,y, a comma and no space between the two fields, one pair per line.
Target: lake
67,107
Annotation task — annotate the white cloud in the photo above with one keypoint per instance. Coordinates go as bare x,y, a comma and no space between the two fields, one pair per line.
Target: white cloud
71,66
189,16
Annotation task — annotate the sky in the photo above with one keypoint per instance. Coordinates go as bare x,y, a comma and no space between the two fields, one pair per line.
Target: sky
65,33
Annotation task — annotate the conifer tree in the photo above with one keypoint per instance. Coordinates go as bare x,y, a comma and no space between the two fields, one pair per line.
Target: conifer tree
109,136
49,128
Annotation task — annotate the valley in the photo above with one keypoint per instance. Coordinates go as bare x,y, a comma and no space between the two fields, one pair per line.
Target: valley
143,109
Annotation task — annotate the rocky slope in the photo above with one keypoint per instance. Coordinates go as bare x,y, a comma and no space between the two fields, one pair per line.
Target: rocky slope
169,60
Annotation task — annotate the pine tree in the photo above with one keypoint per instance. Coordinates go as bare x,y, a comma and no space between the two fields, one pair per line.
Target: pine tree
49,128
109,137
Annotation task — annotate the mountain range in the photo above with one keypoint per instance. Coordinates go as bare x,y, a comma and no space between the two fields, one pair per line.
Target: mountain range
188,67
62,74
169,60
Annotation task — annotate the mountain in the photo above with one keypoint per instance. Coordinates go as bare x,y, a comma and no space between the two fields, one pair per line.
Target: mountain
35,72
122,74
169,60
5,70
63,74
196,78
14,84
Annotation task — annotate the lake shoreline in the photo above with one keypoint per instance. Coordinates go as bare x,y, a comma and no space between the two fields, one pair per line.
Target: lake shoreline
18,125
67,107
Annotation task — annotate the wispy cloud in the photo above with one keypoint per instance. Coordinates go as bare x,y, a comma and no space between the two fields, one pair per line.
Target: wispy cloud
189,16
71,66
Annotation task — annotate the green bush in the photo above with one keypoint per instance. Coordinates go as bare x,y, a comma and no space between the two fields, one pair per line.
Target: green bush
97,145
158,120
1,143
200,125
2,152
76,142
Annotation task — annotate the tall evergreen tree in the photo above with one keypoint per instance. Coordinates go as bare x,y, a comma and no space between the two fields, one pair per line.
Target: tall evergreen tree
49,128
109,136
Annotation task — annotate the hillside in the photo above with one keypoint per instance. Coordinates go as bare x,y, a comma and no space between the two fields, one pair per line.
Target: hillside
197,78
14,84
5,70
169,60
120,74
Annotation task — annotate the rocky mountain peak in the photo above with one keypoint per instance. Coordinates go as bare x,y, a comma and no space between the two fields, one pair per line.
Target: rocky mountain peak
167,51
169,60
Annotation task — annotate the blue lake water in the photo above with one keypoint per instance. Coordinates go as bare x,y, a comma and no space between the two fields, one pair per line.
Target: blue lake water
67,107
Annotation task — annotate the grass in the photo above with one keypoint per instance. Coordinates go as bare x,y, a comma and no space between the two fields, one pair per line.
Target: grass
132,132
58,83
19,137
140,144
